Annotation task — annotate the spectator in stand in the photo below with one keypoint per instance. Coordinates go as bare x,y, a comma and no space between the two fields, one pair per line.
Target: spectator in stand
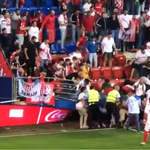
93,13
76,4
67,67
22,30
129,5
5,40
106,84
75,65
76,19
113,25
5,22
34,31
40,18
125,22
102,26
49,24
85,69
136,24
145,70
31,53
91,45
87,6
45,53
88,26
16,52
77,54
14,21
108,47
16,67
141,36
59,68
140,59
63,23
98,6
14,47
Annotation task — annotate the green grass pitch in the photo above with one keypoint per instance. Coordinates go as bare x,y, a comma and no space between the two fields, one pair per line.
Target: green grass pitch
98,139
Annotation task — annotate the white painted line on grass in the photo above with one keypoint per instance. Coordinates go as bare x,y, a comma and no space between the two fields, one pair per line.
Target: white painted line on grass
62,131
135,130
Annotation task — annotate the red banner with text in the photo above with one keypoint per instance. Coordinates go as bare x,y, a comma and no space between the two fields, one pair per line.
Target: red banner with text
12,115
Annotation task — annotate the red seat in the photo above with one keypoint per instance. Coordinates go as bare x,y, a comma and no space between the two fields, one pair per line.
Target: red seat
100,60
100,83
95,73
127,71
97,84
106,72
117,72
114,82
120,59
121,82
56,58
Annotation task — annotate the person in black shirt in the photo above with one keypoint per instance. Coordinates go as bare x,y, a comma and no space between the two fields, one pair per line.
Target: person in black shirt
113,26
16,68
15,46
31,53
145,70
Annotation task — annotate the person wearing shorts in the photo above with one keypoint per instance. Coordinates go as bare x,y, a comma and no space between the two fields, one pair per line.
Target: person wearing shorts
108,46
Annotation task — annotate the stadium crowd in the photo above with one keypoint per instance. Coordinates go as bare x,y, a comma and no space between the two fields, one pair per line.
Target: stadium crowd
97,27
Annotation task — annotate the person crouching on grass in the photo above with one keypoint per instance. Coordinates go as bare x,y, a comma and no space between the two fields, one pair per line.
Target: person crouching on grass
146,121
81,108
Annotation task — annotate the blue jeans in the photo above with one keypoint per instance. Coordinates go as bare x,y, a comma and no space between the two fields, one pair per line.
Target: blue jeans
115,34
136,116
44,62
63,33
129,5
93,56
141,38
75,31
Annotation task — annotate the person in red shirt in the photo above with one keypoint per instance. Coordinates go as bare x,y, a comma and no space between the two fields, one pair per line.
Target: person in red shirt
40,18
49,24
98,7
88,24
22,30
136,23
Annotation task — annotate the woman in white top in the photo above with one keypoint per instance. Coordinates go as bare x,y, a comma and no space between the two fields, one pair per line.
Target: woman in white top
80,106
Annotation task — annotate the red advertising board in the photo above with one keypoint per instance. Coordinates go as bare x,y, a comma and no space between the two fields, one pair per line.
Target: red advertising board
12,115
4,69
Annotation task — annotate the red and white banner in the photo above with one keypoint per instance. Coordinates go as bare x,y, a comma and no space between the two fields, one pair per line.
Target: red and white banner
47,95
27,115
4,69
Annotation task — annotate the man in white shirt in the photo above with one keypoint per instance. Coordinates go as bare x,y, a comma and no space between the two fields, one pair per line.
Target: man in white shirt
6,23
87,6
34,31
63,23
108,45
45,53
140,58
146,121
133,104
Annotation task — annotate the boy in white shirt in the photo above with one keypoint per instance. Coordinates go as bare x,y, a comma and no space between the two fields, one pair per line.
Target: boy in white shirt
146,121
34,31
45,53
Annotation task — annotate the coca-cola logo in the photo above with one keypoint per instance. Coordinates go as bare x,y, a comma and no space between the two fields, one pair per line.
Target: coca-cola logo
55,115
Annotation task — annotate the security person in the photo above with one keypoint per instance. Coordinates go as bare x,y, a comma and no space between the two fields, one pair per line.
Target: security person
111,102
93,106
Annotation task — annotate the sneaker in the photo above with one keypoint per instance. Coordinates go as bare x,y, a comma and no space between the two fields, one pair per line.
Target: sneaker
143,143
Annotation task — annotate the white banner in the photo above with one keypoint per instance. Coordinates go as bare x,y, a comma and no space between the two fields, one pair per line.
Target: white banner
29,90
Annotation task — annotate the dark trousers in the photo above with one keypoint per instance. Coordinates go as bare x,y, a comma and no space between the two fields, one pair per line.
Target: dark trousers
94,114
30,67
112,110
